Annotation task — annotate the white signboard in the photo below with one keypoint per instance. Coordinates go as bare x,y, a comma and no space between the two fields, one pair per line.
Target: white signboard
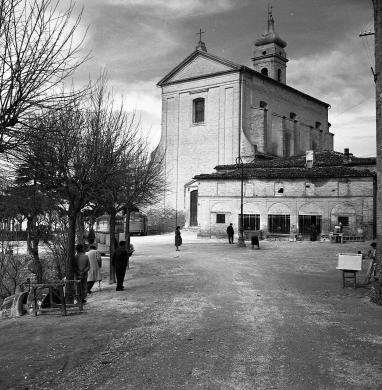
309,155
349,261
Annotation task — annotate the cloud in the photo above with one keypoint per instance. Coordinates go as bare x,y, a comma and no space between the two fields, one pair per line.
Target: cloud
350,94
176,8
144,98
139,41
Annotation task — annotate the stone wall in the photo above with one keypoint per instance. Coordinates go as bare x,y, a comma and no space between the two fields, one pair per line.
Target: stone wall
327,198
280,103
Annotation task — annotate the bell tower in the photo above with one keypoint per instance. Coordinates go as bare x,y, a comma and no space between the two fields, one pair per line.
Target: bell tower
269,56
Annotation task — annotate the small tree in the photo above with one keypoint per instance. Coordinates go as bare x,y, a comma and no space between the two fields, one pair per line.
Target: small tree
144,182
27,200
76,161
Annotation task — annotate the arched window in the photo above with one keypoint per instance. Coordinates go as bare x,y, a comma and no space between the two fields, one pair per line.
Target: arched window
198,107
264,71
279,75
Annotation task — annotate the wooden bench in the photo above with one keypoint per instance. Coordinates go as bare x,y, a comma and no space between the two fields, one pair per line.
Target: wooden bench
56,297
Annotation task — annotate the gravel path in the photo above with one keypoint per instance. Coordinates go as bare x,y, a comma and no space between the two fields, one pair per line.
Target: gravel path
212,316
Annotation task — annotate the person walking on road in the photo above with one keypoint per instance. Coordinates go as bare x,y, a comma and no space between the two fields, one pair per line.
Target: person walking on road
178,238
255,240
120,260
94,273
230,233
81,268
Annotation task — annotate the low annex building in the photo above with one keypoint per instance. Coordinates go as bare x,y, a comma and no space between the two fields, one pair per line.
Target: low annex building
281,195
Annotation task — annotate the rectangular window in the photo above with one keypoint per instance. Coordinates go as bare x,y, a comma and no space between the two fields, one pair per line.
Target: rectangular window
307,222
198,107
220,218
279,223
250,221
343,220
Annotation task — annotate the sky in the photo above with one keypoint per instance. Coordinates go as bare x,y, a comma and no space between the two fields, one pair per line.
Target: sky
138,42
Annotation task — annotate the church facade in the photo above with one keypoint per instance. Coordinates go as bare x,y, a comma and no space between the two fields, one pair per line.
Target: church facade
214,111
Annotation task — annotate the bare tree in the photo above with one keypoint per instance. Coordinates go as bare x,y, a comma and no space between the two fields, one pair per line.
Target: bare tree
38,50
143,183
119,149
80,156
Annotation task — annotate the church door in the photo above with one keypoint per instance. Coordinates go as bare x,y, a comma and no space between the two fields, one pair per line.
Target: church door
194,208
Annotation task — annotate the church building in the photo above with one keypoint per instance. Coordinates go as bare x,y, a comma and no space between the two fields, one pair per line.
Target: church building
217,113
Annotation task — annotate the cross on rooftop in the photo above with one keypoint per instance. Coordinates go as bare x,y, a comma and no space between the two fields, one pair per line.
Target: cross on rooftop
200,34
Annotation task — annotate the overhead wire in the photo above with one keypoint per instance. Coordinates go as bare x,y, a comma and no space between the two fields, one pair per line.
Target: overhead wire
351,107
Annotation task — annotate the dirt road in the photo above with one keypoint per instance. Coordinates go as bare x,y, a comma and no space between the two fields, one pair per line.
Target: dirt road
212,316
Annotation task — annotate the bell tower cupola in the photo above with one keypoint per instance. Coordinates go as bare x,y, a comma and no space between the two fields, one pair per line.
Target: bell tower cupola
269,57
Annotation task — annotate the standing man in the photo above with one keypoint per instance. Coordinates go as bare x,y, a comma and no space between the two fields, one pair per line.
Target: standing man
120,260
81,268
230,233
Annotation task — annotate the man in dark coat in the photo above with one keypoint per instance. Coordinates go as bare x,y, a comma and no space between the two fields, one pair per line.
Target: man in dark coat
120,260
81,268
230,233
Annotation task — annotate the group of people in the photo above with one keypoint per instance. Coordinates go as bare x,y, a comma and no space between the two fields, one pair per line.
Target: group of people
87,268
254,237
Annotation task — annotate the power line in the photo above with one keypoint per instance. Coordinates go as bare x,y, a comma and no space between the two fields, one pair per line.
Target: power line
350,108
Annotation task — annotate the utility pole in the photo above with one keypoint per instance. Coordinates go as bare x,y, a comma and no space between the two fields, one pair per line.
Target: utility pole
377,295
366,34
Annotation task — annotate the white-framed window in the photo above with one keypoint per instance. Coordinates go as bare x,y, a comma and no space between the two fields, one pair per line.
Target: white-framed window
198,110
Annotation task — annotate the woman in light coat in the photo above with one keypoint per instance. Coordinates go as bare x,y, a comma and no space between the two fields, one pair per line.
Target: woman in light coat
94,273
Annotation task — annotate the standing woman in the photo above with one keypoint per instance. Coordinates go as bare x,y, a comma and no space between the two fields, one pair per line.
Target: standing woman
178,238
94,273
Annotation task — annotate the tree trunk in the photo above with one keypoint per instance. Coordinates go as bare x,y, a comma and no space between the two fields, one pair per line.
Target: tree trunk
127,228
71,243
377,293
112,246
32,246
80,229
127,233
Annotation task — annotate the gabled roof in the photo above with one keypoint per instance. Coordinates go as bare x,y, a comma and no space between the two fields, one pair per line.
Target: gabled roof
222,66
226,65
